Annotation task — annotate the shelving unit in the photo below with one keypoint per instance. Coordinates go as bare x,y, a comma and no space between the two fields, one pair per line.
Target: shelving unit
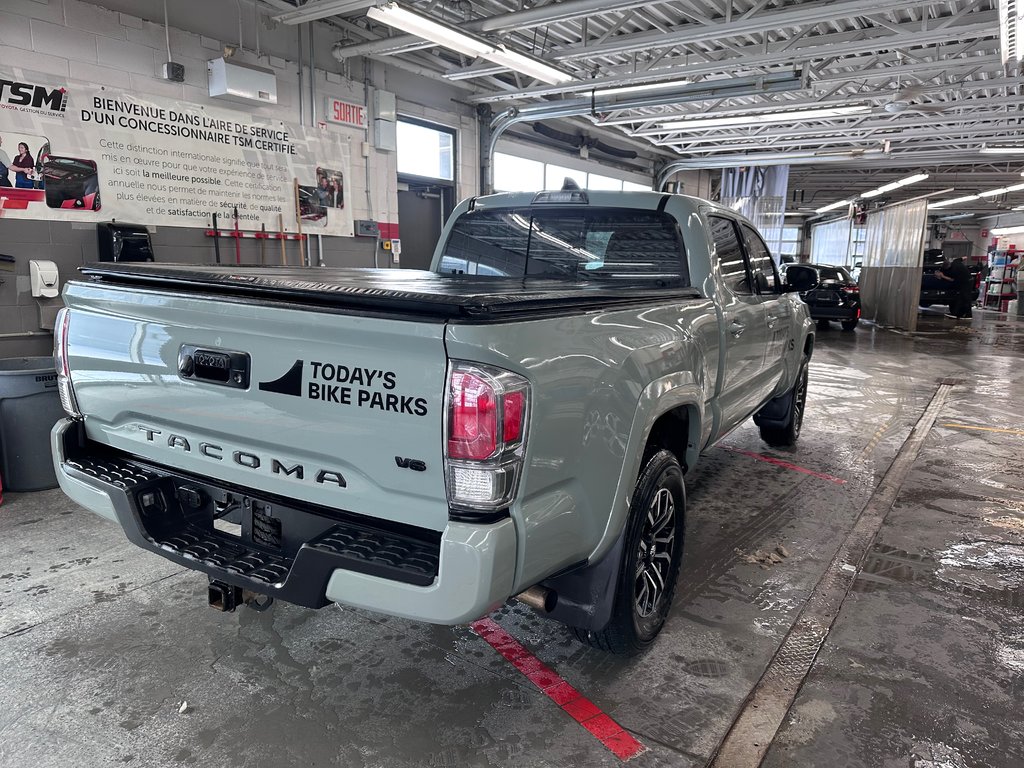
1001,283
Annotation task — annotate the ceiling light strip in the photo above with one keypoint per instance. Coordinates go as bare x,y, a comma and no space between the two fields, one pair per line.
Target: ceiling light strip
825,113
1011,30
454,39
895,185
986,193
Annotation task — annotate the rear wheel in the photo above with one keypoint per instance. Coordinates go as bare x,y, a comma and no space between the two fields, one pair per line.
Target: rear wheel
787,435
849,325
650,563
823,325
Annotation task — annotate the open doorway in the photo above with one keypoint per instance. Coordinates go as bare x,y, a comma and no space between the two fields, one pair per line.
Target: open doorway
422,211
426,187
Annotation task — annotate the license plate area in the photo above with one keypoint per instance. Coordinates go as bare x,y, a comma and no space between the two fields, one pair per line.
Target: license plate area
177,503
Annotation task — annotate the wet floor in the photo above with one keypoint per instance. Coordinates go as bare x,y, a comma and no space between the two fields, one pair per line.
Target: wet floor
109,656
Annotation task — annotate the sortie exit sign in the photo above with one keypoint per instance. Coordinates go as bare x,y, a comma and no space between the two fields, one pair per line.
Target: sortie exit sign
343,113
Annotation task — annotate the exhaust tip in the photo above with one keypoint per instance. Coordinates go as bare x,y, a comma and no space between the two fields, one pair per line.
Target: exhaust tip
539,598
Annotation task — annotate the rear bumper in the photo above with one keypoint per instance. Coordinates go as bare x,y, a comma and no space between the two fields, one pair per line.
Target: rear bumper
834,313
450,578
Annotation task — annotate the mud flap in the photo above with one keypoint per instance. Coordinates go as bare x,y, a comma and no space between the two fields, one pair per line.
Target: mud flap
776,412
586,596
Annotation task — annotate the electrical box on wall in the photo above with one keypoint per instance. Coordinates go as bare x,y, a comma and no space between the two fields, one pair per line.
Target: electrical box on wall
366,228
385,114
241,82
174,72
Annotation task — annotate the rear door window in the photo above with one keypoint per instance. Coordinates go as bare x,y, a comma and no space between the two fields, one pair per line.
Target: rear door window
731,262
766,276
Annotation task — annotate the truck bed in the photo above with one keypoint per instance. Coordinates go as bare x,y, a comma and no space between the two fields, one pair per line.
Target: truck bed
394,292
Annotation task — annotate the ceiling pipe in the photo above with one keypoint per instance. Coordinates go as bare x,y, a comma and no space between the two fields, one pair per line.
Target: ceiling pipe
714,89
415,69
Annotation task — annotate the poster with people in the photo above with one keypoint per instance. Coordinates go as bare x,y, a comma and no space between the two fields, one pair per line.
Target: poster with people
82,153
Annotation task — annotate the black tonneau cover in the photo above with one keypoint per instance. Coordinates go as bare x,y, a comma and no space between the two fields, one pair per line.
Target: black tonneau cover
399,291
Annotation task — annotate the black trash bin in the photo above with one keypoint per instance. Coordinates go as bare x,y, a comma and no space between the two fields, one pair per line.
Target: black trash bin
29,407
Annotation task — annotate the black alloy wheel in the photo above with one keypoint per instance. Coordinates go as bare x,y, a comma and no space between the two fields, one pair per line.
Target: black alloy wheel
651,559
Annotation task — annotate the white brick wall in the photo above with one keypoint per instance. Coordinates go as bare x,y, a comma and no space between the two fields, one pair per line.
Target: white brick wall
58,40
130,57
15,30
92,18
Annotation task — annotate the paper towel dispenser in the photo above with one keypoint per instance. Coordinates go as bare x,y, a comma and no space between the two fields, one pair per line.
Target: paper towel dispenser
123,242
45,279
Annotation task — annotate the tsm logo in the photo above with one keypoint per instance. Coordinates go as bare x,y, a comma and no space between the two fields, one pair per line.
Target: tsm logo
31,95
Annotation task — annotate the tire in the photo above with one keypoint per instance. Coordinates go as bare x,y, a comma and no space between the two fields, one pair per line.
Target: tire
823,325
849,325
53,198
650,564
780,437
96,201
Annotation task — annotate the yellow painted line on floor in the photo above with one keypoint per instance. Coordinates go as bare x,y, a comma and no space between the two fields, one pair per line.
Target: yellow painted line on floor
985,429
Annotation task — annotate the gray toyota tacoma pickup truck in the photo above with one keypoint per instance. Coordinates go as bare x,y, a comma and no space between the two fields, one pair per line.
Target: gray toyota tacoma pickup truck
517,421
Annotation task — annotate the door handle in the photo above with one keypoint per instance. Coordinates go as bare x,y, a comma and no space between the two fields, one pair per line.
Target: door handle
736,328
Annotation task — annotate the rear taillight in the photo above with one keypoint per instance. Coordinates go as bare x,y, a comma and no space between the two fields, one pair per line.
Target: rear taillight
487,411
853,290
60,359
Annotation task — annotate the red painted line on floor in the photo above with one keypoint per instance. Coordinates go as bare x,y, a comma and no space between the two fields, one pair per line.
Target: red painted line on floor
787,465
573,703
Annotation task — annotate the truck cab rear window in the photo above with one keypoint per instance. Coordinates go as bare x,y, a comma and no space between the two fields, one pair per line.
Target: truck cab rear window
566,243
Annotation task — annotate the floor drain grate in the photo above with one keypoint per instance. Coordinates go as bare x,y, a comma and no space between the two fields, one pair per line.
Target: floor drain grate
755,727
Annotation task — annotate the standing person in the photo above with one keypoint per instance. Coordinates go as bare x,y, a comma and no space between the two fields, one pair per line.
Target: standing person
23,165
5,164
957,273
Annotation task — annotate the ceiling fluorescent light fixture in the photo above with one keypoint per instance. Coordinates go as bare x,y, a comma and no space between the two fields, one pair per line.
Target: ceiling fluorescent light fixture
833,206
322,10
528,65
395,16
1000,231
957,216
766,117
1002,149
643,88
954,201
446,36
896,185
1011,30
1002,190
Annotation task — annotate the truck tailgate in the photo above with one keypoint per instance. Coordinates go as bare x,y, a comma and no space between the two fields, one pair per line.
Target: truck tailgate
335,409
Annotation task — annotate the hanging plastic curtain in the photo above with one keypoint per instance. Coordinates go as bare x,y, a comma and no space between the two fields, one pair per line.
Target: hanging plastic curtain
830,242
759,193
890,282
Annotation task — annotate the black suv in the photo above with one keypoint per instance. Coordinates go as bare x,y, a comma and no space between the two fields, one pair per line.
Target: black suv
830,292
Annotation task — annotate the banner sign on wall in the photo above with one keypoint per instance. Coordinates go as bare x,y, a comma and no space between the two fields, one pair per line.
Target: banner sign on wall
96,154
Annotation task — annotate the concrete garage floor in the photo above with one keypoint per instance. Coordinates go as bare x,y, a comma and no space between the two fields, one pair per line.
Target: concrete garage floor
110,656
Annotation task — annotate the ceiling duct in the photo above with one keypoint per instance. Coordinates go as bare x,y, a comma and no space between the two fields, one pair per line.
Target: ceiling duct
598,103
578,140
